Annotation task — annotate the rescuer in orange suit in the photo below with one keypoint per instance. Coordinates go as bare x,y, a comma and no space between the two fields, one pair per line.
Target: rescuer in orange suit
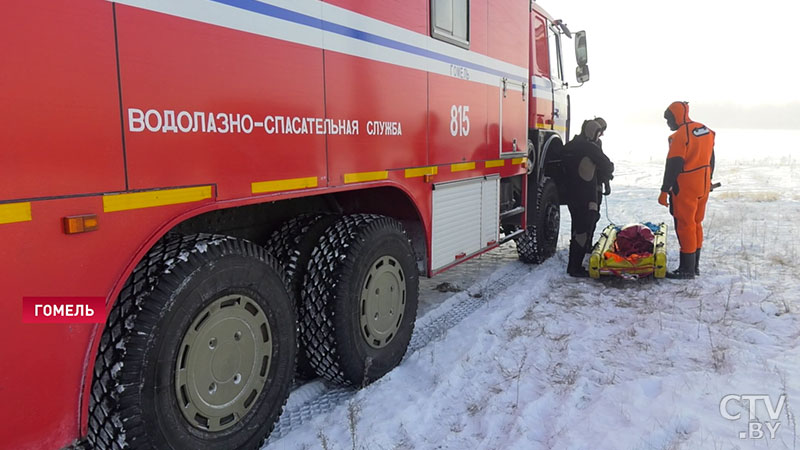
687,182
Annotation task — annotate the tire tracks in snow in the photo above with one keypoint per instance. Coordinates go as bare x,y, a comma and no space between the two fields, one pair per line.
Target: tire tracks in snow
318,397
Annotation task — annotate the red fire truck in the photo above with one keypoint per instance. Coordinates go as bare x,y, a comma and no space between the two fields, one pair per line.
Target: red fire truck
203,197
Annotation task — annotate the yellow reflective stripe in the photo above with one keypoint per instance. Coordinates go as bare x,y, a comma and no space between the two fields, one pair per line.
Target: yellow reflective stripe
421,171
495,163
365,176
148,199
543,126
15,212
283,185
518,161
462,166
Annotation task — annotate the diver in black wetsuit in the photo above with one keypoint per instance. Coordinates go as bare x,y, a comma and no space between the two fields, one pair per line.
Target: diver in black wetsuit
603,185
585,166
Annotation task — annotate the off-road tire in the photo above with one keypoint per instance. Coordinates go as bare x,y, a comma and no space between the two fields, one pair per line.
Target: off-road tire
540,239
292,244
331,307
133,402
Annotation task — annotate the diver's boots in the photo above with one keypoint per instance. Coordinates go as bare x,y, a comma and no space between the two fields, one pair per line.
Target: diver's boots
575,265
686,269
697,263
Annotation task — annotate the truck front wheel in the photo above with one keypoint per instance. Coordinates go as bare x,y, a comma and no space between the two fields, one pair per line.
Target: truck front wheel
198,351
540,239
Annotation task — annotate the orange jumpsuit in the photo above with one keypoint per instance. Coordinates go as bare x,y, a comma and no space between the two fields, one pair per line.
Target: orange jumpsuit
687,176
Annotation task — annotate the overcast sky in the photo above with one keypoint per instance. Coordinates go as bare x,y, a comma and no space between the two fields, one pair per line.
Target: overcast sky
735,62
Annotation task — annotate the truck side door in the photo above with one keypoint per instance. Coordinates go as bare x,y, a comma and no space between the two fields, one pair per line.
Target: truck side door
541,90
560,99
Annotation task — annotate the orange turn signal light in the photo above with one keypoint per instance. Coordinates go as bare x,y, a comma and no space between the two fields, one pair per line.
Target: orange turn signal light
428,178
80,224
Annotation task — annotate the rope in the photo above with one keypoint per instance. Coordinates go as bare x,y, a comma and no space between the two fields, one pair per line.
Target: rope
607,216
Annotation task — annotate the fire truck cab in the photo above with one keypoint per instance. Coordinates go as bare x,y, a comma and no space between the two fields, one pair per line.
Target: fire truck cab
202,199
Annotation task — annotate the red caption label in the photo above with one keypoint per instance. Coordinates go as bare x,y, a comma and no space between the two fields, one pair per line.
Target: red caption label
63,309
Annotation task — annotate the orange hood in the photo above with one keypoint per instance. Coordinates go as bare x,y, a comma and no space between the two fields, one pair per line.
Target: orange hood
680,110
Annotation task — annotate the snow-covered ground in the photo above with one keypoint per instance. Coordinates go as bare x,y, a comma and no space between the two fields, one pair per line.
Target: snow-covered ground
544,361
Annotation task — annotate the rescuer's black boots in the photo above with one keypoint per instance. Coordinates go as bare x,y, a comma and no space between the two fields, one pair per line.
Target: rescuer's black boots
575,265
697,263
578,273
686,269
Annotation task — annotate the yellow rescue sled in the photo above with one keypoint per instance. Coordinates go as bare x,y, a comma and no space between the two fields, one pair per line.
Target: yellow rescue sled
605,260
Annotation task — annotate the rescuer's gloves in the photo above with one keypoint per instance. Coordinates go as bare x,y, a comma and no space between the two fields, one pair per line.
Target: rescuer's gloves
662,199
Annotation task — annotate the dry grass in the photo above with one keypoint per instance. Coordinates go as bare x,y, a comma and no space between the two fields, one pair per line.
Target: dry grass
719,353
782,260
563,375
516,331
624,302
515,373
323,439
759,197
473,409
530,314
353,413
527,330
609,379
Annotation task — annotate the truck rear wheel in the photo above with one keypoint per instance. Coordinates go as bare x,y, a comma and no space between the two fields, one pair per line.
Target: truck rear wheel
198,351
292,244
540,239
359,299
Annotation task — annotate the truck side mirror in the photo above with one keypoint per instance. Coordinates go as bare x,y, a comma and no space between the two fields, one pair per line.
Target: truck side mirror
582,74
581,56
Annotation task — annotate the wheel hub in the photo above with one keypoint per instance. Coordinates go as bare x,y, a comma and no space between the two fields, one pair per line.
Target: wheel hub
383,300
223,362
